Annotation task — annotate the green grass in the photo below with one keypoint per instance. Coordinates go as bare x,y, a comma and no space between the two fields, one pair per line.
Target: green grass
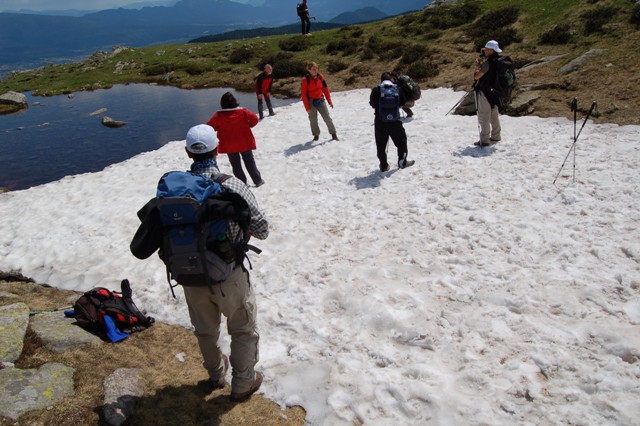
391,43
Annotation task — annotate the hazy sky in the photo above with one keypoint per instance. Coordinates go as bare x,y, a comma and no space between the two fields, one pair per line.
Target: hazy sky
76,4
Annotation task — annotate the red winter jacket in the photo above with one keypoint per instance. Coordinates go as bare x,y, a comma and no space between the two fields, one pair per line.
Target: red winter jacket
233,127
314,88
263,84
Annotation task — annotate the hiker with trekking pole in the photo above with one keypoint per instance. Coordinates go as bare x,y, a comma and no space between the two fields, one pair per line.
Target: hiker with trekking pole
305,19
486,97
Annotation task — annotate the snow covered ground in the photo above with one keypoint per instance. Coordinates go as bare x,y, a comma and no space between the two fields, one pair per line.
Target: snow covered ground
465,290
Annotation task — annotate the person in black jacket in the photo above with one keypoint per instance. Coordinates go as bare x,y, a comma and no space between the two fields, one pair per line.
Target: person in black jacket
305,19
389,129
487,101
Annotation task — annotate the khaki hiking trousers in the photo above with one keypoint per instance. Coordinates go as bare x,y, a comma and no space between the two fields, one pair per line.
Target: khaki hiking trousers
234,298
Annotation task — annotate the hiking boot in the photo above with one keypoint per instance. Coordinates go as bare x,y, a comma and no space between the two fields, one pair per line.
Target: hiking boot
334,137
243,396
494,140
271,113
481,144
220,382
260,183
316,137
403,164
384,168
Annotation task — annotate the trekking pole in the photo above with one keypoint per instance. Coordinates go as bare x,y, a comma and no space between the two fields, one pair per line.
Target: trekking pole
461,99
475,97
574,106
49,310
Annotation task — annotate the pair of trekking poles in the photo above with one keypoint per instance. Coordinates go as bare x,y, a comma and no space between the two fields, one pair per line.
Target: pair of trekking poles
574,109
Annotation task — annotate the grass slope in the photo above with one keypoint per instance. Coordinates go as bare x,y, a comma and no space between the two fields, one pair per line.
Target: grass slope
436,46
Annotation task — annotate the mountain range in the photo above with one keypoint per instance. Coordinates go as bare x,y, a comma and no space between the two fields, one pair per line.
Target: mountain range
28,40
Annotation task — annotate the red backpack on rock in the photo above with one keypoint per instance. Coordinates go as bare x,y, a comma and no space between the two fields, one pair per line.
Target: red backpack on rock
93,305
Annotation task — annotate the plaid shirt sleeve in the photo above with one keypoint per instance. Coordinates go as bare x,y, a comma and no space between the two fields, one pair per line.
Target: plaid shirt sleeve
259,226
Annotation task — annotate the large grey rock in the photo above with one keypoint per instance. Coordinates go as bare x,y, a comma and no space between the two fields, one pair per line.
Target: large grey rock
577,63
13,98
33,389
122,390
60,334
14,320
523,103
538,62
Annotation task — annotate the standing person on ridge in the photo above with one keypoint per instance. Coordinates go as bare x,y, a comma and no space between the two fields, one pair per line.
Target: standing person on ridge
487,101
305,19
388,124
263,90
233,297
315,96
233,125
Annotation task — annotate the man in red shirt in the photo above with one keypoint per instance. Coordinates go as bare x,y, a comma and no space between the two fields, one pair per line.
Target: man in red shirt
315,97
263,90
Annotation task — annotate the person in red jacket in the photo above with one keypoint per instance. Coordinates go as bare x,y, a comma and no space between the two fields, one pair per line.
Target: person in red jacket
233,126
315,97
263,90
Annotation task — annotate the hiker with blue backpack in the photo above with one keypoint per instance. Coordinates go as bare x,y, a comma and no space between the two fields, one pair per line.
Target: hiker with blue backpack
386,99
200,222
487,98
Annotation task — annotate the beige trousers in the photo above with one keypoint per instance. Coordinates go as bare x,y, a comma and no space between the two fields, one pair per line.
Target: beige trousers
313,119
488,118
233,298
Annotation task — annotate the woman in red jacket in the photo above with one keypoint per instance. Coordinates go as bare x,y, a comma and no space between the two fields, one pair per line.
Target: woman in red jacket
315,96
233,125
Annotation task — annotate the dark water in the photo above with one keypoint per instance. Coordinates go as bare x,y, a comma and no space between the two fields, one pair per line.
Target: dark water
57,136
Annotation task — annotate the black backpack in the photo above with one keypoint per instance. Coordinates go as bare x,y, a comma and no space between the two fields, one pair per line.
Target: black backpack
301,9
505,79
389,103
89,310
410,88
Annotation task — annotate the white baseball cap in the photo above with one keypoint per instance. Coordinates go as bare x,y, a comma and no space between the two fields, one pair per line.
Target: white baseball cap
201,139
493,45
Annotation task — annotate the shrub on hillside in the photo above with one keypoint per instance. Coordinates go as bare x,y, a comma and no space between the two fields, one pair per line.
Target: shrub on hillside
558,34
596,18
423,69
451,16
635,15
414,53
496,25
346,46
294,44
336,66
504,37
197,68
283,65
241,55
156,70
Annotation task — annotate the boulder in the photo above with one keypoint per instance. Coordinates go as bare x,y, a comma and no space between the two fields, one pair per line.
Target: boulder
110,122
60,334
122,390
13,98
33,389
14,320
577,63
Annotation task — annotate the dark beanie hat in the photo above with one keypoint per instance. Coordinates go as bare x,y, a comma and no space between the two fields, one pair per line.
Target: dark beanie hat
228,101
386,76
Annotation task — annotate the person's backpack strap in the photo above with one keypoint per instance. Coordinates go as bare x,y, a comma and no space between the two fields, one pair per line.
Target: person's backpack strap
127,298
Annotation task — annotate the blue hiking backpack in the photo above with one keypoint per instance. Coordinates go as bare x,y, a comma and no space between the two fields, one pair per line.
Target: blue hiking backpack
195,214
389,104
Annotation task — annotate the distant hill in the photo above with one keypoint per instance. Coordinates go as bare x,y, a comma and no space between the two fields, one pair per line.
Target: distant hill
38,39
366,14
262,32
